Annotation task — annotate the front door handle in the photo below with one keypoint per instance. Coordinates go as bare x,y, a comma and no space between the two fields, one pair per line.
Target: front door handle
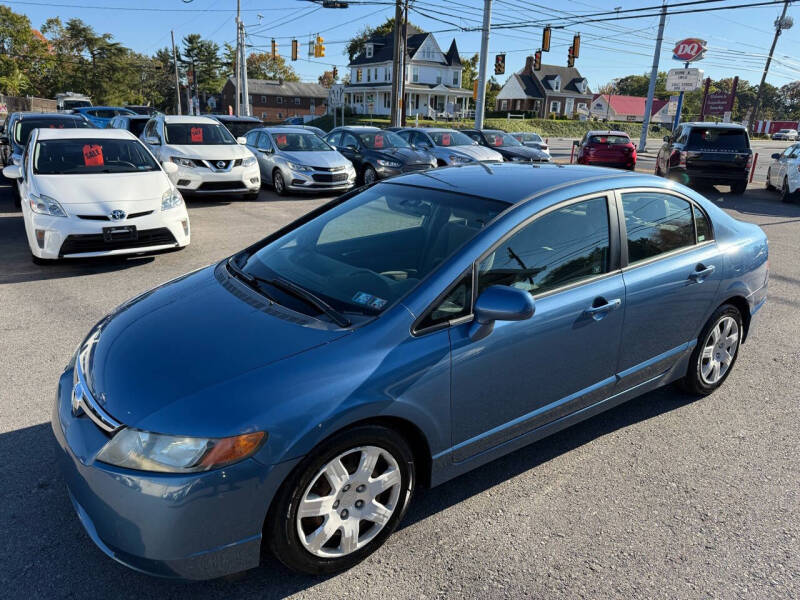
603,308
701,273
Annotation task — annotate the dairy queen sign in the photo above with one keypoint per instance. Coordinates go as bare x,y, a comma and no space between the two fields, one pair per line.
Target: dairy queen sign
689,50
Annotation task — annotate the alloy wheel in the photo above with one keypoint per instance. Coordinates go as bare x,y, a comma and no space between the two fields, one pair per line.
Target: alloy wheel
719,350
277,182
369,176
349,502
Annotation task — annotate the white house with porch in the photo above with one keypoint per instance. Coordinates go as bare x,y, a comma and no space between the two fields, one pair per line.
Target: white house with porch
432,78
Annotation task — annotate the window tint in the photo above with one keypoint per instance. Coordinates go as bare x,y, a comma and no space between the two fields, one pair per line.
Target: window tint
334,139
702,226
615,140
656,223
733,139
561,247
457,303
349,140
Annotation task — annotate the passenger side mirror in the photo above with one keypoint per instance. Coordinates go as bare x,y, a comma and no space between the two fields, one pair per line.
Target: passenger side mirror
241,140
12,172
351,147
499,303
776,156
267,150
170,168
153,140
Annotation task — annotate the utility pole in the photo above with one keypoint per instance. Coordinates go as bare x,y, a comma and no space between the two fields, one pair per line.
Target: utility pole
398,8
483,67
403,109
781,23
651,89
238,66
177,82
245,87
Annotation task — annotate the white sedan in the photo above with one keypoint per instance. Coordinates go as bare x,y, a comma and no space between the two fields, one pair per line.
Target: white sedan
783,173
96,192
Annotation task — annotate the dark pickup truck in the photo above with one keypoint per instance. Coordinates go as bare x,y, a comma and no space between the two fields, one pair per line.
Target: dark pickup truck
707,153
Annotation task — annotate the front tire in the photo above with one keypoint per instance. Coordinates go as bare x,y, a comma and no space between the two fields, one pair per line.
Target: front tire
370,176
716,352
786,195
278,184
343,500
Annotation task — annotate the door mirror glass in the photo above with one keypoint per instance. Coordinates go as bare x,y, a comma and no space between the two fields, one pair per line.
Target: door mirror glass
12,172
499,303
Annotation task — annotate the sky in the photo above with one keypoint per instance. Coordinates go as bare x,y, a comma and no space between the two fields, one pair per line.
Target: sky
738,40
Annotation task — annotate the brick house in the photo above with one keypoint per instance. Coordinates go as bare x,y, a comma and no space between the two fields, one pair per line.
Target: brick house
559,90
276,100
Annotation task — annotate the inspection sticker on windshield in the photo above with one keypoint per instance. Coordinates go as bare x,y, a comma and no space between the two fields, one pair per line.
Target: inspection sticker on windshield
366,299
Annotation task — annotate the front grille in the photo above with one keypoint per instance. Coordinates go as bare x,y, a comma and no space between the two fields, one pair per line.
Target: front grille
107,218
417,167
330,169
94,242
220,186
330,177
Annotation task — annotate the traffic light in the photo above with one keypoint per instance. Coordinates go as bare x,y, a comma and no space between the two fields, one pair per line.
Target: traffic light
546,39
499,64
294,49
570,57
576,46
537,60
319,48
335,73
274,48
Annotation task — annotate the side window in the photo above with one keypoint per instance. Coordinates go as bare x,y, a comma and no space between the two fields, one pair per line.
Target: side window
251,138
263,141
562,247
456,303
475,136
684,135
349,140
406,135
334,138
656,223
702,226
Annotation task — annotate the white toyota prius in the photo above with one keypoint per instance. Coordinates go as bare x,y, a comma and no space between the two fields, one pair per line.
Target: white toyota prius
96,192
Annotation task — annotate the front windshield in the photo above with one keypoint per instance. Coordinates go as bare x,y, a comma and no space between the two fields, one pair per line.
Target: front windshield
240,128
196,134
380,140
300,142
23,128
528,137
366,253
451,138
499,139
84,156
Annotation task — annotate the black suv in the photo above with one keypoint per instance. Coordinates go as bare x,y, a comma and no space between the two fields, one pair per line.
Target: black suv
238,126
707,153
378,153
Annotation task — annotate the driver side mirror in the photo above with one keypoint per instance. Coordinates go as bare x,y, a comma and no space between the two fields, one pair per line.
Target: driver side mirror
776,156
12,172
170,168
499,303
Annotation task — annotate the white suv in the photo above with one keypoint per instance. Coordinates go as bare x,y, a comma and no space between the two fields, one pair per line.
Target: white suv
209,159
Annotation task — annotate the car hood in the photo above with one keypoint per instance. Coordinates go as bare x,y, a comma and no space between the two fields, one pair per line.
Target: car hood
104,188
183,337
316,159
211,152
522,152
480,153
404,155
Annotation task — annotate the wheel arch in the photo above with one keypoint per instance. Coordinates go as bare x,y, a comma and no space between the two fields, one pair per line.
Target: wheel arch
740,302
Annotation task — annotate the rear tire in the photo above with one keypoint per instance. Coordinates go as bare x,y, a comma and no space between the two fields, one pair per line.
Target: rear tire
786,196
715,353
320,543
370,176
739,187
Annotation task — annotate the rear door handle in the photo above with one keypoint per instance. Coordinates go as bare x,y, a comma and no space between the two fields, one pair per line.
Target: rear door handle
608,306
700,275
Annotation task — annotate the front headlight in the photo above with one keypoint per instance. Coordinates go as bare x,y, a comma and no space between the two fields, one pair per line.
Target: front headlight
298,167
45,205
458,158
249,161
171,199
183,162
145,451
389,163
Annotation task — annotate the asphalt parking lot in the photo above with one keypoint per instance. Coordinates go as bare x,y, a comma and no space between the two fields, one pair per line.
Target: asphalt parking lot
663,497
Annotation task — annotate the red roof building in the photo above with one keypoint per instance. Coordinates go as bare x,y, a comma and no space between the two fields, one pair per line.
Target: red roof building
613,107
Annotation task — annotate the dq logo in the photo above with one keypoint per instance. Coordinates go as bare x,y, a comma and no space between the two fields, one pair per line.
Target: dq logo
689,49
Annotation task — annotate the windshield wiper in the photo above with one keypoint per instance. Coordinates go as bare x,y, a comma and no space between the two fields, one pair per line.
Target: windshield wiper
292,288
309,297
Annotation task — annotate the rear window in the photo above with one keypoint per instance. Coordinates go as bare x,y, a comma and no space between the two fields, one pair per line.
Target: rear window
734,139
23,128
136,126
240,128
610,139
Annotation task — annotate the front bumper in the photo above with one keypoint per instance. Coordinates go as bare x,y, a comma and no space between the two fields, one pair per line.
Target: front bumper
318,181
196,526
201,180
57,231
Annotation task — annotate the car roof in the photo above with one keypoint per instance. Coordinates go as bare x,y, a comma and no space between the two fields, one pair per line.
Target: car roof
485,130
513,183
235,118
518,132
40,115
358,128
190,119
61,134
283,129
85,108
430,129
607,132
715,125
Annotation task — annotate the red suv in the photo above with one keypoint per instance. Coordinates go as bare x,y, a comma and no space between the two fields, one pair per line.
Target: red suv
607,149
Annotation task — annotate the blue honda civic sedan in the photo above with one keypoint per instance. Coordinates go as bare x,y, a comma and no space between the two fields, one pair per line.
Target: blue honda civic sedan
293,397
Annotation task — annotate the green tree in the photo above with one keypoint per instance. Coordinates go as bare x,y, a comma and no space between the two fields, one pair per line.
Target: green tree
24,57
261,65
202,58
326,79
470,71
356,44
